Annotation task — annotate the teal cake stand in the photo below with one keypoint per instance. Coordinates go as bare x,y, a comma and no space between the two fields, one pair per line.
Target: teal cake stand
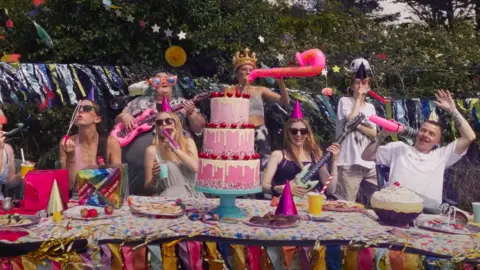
228,207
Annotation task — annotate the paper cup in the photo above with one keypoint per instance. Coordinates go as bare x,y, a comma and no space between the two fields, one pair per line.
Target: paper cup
163,171
315,203
476,212
25,168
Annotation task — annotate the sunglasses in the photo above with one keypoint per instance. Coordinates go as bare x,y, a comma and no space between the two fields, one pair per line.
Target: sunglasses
167,121
86,108
294,131
164,80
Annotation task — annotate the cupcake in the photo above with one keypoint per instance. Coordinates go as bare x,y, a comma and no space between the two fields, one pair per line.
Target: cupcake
396,205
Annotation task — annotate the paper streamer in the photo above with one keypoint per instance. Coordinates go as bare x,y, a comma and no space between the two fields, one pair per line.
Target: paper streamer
28,263
254,256
86,258
275,255
333,256
412,262
44,265
195,252
288,253
265,262
140,258
319,262
351,259
214,262
127,254
155,257
106,259
168,257
382,261
16,263
116,256
66,77
239,257
183,254
77,80
305,257
53,73
6,265
365,259
397,260
225,253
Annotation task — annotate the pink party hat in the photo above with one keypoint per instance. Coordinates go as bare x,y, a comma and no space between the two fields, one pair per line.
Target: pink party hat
286,206
165,106
297,111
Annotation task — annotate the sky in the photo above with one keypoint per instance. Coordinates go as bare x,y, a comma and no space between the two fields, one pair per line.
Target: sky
390,7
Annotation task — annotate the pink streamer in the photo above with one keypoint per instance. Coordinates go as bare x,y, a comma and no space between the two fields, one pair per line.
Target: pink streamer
183,253
56,265
254,253
5,264
127,258
195,250
365,259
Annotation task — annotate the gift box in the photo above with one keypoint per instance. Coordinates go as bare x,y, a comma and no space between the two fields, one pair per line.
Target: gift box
38,186
103,185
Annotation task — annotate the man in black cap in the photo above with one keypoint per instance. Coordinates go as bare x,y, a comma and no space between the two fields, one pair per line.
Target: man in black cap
354,173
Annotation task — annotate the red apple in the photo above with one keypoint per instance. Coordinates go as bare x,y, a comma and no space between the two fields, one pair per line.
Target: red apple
84,213
92,213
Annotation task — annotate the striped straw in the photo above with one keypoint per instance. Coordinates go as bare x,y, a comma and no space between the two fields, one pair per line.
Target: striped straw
326,184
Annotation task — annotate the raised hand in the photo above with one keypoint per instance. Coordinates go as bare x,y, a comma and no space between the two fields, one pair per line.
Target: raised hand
445,101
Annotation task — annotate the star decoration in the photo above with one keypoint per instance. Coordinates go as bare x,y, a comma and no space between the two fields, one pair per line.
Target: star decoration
142,23
262,40
336,69
280,57
130,18
182,35
107,8
156,28
168,32
118,12
325,72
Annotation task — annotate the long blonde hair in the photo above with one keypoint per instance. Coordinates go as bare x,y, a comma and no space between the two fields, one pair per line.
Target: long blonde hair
309,146
164,150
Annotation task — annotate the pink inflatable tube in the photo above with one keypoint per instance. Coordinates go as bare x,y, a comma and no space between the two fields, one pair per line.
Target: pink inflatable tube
167,135
311,64
386,124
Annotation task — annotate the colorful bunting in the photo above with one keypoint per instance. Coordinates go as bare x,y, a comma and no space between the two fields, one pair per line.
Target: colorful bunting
43,35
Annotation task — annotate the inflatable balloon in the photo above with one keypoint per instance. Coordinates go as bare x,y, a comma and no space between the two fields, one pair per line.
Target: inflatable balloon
311,64
377,96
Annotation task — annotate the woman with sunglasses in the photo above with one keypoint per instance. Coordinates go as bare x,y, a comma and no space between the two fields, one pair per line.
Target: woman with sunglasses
181,160
193,122
91,146
299,149
243,65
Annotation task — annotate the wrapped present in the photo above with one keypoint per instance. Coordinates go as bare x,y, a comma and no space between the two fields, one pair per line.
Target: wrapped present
38,186
103,185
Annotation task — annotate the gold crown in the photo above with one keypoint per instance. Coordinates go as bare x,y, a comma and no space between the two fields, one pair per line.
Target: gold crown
242,59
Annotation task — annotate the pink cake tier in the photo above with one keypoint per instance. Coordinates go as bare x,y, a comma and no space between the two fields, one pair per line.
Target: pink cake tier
228,140
229,110
228,174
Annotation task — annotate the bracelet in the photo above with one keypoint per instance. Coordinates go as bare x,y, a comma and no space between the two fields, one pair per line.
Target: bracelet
69,161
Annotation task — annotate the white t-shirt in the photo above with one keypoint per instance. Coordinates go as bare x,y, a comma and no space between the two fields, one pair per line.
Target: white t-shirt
355,142
422,173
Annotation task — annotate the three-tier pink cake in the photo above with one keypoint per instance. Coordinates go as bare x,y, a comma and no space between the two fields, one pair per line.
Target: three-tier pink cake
228,159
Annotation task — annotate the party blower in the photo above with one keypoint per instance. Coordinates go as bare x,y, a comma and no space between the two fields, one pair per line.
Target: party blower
393,126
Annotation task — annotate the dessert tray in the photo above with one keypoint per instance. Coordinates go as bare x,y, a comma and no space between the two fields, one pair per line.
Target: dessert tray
342,206
166,208
87,212
18,221
273,221
442,224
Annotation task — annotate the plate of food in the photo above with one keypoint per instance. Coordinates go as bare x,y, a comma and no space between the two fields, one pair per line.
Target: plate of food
167,208
441,224
273,221
87,212
342,206
18,221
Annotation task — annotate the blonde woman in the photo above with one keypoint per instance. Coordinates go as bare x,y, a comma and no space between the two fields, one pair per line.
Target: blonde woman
181,160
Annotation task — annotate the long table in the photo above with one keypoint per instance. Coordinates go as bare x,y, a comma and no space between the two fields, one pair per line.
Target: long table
352,232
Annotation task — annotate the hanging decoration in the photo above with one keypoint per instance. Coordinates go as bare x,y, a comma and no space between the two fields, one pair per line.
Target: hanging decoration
10,58
176,56
43,35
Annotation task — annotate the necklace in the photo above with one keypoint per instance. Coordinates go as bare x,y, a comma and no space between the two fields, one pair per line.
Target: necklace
88,148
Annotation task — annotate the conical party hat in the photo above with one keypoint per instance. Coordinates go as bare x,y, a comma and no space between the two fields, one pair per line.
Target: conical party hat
361,72
55,203
165,106
297,111
433,116
286,206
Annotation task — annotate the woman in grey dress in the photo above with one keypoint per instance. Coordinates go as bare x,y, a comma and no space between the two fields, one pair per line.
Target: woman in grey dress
181,160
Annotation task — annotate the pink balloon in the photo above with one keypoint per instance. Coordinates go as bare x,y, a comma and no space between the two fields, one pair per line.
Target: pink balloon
311,62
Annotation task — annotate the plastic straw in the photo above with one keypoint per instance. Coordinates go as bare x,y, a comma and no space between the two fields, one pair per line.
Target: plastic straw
23,155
